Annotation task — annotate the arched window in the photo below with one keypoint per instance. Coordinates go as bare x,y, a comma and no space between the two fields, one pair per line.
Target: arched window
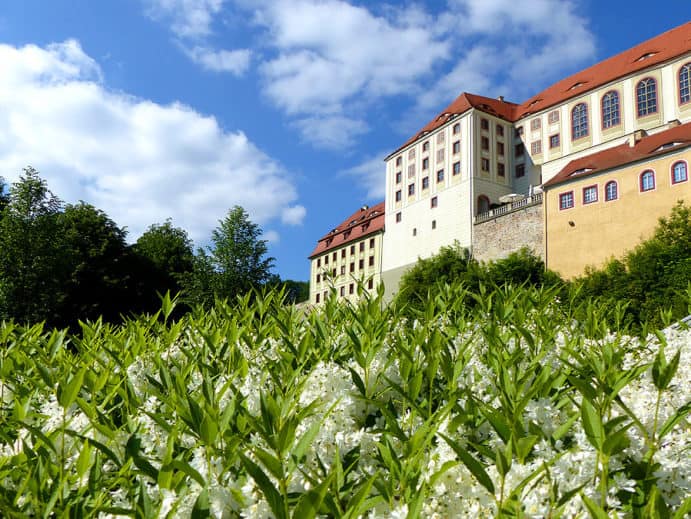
610,110
646,96
680,172
611,191
482,204
685,83
579,121
647,180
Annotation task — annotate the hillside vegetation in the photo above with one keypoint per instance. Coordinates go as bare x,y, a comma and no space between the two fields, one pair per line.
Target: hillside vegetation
510,407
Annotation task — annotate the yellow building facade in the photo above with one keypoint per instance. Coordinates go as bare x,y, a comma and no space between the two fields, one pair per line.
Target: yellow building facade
603,205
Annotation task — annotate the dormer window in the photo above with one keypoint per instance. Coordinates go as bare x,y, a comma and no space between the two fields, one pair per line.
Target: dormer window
647,55
668,145
576,85
581,171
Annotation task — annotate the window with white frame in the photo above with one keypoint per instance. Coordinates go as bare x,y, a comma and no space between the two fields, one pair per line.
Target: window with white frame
554,141
456,168
553,117
647,181
611,191
646,96
610,110
566,200
535,124
679,172
536,147
589,194
579,121
456,129
685,83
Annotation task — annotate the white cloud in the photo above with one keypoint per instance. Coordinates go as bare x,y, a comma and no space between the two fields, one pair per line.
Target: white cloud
234,61
371,174
139,161
293,215
187,18
331,131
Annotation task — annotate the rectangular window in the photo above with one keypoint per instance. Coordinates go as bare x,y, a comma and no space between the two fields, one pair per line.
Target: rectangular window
352,266
411,170
440,155
520,170
398,195
333,272
484,124
554,141
484,164
519,150
433,202
351,288
440,175
425,163
342,270
370,284
362,246
425,182
456,168
440,138
317,298
319,262
411,153
535,124
434,224
326,259
425,146
352,249
456,129
371,261
334,256
456,147
319,278
589,194
399,176
399,160
361,264
566,200
501,169
371,243
484,143
398,217
553,117
343,253
500,130
500,148
342,291
411,189
536,147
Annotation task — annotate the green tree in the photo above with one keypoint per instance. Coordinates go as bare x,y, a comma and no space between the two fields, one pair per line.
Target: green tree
4,196
235,262
167,258
99,268
31,259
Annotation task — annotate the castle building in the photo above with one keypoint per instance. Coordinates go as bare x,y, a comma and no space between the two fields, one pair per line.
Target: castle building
475,174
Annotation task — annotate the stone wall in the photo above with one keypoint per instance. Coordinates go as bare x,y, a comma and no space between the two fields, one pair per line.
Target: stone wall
498,237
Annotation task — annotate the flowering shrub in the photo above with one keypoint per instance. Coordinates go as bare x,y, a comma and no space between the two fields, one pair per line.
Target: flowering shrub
508,409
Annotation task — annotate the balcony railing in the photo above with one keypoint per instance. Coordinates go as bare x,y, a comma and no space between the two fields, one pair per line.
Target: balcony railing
511,207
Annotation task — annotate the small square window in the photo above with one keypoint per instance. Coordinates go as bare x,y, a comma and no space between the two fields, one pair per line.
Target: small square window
411,189
554,141
456,147
440,175
536,148
425,146
501,169
484,124
398,195
553,117
566,200
425,182
535,124
399,176
484,164
456,129
500,149
425,163
589,194
398,217
433,202
456,168
520,170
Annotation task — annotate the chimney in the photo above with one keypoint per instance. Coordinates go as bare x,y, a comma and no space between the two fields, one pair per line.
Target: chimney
501,98
636,137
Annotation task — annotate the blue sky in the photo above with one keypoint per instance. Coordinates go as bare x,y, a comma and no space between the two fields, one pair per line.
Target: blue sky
156,109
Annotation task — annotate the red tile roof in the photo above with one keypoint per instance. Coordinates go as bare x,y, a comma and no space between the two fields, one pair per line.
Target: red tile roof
666,46
661,48
363,222
460,105
648,147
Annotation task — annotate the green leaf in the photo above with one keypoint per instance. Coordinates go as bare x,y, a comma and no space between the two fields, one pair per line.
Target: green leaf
310,502
596,511
472,464
67,393
132,449
208,430
271,462
656,507
359,502
673,420
684,510
185,468
201,509
592,425
271,494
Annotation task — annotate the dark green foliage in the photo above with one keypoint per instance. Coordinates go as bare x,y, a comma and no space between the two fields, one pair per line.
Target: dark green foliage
652,277
235,263
31,260
454,265
4,195
295,291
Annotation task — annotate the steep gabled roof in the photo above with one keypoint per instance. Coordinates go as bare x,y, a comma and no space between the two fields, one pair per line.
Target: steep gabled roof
461,105
363,222
661,48
648,147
